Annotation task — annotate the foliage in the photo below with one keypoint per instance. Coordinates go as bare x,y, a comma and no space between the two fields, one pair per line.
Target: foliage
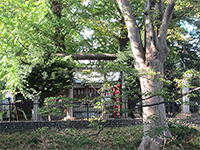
1,115
184,137
15,113
73,139
48,77
104,28
105,72
181,131
55,106
159,128
109,138
183,39
32,30
185,12
130,77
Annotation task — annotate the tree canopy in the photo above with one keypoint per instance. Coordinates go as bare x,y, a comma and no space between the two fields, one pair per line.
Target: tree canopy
31,32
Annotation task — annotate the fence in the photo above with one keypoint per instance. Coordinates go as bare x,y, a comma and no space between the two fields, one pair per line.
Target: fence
80,111
14,111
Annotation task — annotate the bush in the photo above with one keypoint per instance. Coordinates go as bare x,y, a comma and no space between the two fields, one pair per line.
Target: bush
184,137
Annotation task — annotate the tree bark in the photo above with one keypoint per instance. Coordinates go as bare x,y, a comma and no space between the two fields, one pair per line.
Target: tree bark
149,61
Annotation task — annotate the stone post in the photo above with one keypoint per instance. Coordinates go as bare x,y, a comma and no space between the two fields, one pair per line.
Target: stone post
186,99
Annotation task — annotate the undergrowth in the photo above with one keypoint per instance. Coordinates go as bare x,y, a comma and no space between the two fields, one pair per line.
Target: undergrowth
184,137
124,138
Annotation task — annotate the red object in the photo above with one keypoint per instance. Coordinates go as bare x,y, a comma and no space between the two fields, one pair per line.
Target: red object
116,92
107,94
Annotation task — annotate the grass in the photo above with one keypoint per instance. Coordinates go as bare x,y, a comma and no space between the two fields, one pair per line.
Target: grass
126,138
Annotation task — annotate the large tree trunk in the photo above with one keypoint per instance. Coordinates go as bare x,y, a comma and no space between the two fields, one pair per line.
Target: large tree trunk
149,61
154,116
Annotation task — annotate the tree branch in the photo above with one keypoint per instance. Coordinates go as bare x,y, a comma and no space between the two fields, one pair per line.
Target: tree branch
159,9
74,27
190,91
133,32
186,9
151,30
166,20
196,89
89,56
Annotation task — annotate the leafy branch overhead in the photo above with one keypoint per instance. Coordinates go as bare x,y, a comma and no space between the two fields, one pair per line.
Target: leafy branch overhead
32,31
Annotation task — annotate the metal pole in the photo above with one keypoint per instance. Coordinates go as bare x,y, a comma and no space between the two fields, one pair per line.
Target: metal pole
87,91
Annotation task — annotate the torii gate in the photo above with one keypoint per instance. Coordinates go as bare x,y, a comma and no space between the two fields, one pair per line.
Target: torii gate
93,57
